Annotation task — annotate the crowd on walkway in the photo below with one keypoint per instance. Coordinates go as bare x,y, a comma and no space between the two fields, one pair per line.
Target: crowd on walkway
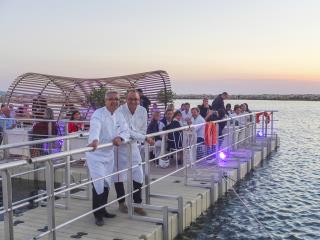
132,120
119,123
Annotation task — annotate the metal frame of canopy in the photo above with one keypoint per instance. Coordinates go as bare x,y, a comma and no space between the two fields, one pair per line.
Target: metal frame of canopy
63,94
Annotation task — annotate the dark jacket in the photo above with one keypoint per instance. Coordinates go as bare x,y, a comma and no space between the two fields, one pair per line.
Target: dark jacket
145,102
218,103
164,121
175,138
204,110
154,128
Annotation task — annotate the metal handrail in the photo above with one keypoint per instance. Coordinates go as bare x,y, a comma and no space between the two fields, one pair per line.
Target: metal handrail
33,142
52,192
45,120
64,154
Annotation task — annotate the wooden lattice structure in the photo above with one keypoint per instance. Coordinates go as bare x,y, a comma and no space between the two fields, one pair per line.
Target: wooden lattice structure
64,94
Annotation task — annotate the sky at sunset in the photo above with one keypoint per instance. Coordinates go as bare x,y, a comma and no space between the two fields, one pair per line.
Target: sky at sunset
207,46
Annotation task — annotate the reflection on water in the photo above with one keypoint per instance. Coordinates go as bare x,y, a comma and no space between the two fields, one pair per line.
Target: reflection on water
284,194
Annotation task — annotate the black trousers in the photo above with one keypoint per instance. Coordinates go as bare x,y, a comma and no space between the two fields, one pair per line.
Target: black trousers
120,191
99,200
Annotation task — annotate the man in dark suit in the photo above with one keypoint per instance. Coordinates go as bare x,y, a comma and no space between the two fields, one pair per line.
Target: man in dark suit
218,102
144,100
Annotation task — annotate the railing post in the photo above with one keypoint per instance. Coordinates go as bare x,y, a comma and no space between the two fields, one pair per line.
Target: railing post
165,223
185,163
129,181
180,214
228,138
67,177
254,134
271,119
7,204
50,135
5,138
251,130
266,126
217,147
234,139
212,193
51,199
147,172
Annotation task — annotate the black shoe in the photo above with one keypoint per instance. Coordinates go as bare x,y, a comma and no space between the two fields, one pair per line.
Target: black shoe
99,221
109,215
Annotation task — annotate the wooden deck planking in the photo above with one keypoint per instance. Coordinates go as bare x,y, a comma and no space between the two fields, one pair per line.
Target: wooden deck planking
120,227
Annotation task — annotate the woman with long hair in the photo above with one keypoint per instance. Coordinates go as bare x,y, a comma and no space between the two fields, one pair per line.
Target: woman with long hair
75,126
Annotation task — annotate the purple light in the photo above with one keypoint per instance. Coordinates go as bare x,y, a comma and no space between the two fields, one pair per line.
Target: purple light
260,134
222,155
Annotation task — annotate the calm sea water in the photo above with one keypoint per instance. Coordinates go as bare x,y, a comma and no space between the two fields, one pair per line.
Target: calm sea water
284,194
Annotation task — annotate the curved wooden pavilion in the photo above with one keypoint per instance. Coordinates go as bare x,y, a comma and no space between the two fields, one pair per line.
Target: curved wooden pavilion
64,94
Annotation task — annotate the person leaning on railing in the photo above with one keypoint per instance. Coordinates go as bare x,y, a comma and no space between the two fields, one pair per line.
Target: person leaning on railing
106,126
136,118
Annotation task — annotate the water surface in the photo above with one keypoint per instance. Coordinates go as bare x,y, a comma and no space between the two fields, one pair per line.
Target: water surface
284,194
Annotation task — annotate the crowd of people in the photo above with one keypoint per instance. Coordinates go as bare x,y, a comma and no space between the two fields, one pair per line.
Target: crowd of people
131,121
119,123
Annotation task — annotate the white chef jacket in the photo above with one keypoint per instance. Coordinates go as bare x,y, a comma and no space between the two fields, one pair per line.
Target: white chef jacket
137,123
104,127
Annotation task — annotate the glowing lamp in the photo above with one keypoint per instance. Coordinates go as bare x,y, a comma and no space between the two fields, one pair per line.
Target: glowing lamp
222,155
260,134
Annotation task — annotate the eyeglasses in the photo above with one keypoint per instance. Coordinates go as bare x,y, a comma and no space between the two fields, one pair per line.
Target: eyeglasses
113,99
133,99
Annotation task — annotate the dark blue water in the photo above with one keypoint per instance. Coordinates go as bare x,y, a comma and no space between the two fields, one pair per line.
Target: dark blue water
284,194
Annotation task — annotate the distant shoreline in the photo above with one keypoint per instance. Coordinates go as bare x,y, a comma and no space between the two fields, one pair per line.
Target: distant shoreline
288,97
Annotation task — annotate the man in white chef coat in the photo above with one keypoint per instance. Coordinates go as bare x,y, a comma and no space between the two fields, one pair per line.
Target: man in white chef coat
106,126
136,118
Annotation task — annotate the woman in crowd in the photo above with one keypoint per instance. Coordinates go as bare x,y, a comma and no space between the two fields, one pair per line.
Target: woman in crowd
228,109
205,107
75,126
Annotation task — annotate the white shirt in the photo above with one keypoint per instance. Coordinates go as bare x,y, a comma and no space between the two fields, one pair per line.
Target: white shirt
199,129
241,120
161,125
137,122
104,127
185,116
